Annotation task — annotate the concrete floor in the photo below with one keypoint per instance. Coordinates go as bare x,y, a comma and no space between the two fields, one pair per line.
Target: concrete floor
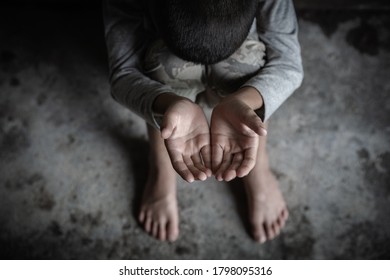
73,162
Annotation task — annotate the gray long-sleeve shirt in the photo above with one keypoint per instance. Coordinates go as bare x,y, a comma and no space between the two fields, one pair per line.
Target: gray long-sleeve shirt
130,28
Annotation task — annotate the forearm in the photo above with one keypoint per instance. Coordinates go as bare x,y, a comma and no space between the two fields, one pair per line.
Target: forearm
282,73
250,96
127,41
164,101
137,93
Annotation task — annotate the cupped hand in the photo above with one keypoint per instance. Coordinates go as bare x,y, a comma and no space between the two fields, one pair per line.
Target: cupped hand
235,130
187,139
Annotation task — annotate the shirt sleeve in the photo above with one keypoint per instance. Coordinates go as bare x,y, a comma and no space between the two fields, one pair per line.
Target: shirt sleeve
282,73
127,40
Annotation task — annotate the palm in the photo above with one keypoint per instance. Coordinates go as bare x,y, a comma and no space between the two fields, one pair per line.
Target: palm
234,143
189,143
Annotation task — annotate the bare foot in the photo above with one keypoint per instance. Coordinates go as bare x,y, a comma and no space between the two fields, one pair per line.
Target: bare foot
267,209
159,211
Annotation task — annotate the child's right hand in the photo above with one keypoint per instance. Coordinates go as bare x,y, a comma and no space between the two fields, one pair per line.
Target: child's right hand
187,139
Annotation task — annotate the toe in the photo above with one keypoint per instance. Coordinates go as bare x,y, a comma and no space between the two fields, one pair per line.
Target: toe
155,230
285,214
172,231
148,224
283,217
162,231
283,223
259,234
141,217
276,228
280,222
270,232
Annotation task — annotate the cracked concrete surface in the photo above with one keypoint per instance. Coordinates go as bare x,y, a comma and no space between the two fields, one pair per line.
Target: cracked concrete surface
73,162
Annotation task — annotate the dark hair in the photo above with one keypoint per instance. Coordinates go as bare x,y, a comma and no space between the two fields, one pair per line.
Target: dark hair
205,31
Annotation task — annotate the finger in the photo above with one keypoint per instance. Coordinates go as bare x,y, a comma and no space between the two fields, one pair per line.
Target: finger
231,172
197,161
247,163
226,162
167,131
253,121
196,173
180,167
216,157
167,127
206,157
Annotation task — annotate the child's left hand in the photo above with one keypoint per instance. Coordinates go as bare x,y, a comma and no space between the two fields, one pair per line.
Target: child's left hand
235,130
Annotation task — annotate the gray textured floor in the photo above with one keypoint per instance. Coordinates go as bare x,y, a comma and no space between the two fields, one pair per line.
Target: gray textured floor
73,162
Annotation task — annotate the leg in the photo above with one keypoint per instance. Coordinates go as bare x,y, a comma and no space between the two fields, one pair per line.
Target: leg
159,211
183,126
267,208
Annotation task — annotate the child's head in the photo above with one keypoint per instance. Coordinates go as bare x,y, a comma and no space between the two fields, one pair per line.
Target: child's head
205,31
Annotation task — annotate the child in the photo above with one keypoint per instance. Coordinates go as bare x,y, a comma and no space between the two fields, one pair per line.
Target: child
240,57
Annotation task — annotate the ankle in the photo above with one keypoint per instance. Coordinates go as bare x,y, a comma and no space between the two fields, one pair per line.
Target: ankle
160,186
161,169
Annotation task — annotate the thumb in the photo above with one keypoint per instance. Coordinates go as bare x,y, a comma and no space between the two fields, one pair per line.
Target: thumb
167,127
253,121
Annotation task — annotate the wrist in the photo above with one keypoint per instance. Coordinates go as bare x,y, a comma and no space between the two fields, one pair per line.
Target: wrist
166,100
249,95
